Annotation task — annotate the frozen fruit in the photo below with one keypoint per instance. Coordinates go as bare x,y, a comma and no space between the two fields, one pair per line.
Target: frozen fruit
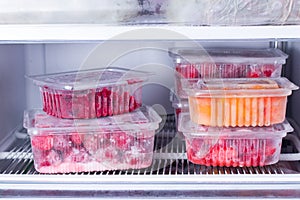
46,158
76,138
90,142
187,70
122,140
91,103
268,70
252,102
76,155
231,152
61,142
42,142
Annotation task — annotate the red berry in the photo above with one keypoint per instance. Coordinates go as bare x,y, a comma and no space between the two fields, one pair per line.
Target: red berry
90,143
77,155
42,142
268,70
122,140
61,143
47,158
76,138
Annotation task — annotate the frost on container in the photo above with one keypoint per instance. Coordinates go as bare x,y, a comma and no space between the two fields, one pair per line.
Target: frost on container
112,143
90,94
225,63
238,102
66,11
232,147
233,12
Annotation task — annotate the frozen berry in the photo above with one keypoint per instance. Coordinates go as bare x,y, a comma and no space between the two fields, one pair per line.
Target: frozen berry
61,143
122,140
47,158
268,70
76,138
90,142
42,142
77,155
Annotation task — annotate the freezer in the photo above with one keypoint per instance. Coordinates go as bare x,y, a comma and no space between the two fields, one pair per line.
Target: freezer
150,99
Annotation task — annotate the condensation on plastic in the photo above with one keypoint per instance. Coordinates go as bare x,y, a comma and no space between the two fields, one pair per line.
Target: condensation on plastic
233,12
239,102
189,12
225,63
39,123
67,11
111,143
216,146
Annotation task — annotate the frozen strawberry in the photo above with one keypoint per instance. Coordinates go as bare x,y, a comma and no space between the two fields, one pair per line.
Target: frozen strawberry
77,155
112,155
268,70
76,138
187,70
122,140
90,142
61,143
42,142
103,140
47,158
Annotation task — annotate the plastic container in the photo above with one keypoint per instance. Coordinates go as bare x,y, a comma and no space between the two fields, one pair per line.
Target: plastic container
232,147
91,93
179,105
232,12
238,102
225,63
79,11
112,143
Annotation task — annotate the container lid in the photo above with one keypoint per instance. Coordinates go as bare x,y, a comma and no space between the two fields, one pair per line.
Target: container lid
191,129
229,55
88,79
239,87
143,118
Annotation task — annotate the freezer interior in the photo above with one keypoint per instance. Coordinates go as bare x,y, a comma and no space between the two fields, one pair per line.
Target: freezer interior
171,175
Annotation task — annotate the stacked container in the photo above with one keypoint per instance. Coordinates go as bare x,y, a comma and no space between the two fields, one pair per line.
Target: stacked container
237,101
92,120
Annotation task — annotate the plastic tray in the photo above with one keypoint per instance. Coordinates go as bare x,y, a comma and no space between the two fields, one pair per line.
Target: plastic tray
112,143
90,94
225,63
232,147
238,102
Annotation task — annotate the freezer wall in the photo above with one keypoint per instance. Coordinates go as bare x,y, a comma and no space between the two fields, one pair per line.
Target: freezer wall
12,86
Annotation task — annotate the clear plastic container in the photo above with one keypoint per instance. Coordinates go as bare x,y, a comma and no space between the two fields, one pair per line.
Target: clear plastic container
66,11
112,143
238,102
232,12
179,105
90,94
232,147
225,63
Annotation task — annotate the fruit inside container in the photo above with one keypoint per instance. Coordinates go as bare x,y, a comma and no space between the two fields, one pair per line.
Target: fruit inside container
113,143
196,63
232,147
90,94
238,102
